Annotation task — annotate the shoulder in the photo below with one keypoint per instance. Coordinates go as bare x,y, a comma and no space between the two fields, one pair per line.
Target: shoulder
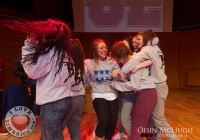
87,61
111,60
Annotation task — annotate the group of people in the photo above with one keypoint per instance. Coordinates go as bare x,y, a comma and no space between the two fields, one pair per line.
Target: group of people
123,90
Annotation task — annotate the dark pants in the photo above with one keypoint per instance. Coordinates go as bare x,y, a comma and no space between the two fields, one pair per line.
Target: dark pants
107,114
29,99
144,105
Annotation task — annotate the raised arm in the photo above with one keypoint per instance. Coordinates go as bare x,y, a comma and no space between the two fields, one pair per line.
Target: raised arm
144,64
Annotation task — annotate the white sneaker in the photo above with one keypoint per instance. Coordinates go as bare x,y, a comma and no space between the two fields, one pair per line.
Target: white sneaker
125,136
118,136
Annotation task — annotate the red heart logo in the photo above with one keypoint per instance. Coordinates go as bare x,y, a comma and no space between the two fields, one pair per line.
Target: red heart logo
20,122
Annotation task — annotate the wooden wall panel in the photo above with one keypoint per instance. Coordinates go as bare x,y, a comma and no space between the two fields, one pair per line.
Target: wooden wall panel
192,75
171,60
190,60
172,78
189,41
168,41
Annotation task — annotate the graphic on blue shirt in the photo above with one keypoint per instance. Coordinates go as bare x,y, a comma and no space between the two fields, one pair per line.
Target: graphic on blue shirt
101,75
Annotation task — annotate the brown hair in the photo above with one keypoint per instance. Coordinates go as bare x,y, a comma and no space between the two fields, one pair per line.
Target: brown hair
78,55
94,53
147,35
120,50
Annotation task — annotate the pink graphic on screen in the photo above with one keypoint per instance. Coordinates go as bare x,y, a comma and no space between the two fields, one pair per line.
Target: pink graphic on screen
123,18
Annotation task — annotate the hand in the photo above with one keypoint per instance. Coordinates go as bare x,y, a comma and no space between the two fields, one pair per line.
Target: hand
29,91
31,39
115,73
123,79
29,77
110,84
135,69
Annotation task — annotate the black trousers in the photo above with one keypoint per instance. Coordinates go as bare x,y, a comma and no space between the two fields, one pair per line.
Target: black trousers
107,114
29,99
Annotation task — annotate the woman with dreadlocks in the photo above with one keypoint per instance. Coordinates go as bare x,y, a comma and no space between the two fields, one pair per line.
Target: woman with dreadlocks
46,57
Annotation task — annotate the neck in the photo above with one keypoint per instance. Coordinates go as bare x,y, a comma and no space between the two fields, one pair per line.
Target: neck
102,59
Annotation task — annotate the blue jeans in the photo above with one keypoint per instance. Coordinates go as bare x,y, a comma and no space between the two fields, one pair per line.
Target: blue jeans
51,117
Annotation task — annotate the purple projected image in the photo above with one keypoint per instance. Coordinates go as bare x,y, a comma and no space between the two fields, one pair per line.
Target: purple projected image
123,15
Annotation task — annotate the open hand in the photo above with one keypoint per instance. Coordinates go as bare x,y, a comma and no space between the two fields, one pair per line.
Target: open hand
31,39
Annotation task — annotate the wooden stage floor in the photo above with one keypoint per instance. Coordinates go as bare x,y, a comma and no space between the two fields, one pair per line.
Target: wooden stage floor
182,111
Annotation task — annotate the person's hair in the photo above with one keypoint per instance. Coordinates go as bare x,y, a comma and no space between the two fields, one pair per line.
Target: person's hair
120,50
147,35
129,40
78,56
94,51
55,32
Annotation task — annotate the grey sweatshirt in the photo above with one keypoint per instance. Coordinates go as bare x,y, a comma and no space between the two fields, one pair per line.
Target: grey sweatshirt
100,78
157,69
137,81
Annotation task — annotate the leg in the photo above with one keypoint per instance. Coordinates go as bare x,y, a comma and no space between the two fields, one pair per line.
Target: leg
128,103
144,105
113,115
120,126
101,108
28,99
120,133
74,117
52,115
126,115
158,114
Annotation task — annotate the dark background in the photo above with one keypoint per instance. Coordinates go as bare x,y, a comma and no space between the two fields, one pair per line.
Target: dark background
186,15
43,9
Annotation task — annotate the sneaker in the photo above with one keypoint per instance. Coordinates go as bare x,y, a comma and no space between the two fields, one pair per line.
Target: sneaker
3,131
125,136
118,136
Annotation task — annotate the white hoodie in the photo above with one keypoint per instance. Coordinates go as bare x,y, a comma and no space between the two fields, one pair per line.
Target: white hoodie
49,88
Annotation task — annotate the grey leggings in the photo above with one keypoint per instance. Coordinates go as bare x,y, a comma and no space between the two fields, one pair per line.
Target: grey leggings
73,118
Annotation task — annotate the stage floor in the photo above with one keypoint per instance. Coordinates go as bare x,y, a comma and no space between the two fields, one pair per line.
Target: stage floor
182,111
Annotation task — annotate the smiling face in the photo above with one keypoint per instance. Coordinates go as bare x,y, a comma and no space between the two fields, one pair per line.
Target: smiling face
134,42
102,51
139,41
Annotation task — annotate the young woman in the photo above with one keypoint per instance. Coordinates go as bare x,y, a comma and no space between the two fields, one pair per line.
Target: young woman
125,101
46,57
104,98
73,118
141,84
147,41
